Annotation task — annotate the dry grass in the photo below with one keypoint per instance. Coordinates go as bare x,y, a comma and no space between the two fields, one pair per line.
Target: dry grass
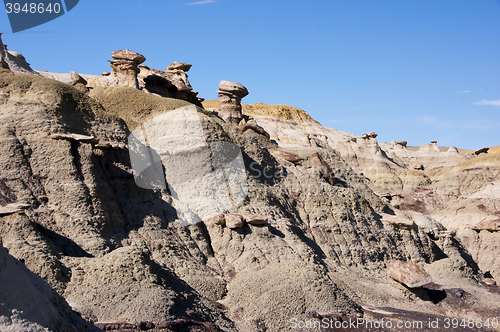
483,158
282,112
132,105
442,149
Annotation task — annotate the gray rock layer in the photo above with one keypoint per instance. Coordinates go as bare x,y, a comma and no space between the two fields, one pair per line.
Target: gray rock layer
116,252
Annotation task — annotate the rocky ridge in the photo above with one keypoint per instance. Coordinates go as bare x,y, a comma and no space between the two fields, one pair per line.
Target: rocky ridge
326,214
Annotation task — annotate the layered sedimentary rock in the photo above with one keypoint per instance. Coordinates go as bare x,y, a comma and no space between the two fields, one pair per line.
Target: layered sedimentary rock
230,94
124,68
118,253
309,239
14,61
172,82
30,304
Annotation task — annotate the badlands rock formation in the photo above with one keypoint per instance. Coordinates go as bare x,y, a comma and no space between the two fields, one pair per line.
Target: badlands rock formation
14,61
459,190
313,238
230,94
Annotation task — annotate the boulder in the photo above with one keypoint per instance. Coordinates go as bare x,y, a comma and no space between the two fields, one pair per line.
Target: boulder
369,135
490,281
234,88
76,78
414,164
218,220
234,220
402,143
488,225
128,55
408,274
483,150
316,162
255,219
179,66
291,157
255,127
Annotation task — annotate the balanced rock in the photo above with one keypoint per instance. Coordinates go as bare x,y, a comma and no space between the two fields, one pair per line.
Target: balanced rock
402,143
234,220
129,56
291,157
124,68
408,274
234,88
179,66
255,219
230,94
315,161
369,135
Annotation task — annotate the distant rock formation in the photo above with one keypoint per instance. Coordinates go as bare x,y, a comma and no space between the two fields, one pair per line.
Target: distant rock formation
124,69
171,83
14,61
230,95
310,239
369,135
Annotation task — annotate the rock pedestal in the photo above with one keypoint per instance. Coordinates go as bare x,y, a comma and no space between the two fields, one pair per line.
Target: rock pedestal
230,94
124,67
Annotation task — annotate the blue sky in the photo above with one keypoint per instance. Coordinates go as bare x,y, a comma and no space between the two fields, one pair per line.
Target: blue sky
413,70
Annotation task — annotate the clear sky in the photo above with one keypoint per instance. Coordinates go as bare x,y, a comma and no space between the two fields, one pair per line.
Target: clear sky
414,70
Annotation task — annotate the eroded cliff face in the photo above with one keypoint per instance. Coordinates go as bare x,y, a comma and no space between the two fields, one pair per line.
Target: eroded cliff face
310,243
458,190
